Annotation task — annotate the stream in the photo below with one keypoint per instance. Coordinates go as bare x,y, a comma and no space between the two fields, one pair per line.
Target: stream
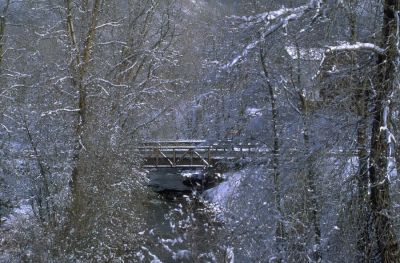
181,226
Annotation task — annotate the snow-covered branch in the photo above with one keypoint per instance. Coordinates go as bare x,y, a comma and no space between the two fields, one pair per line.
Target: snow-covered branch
356,47
271,15
271,21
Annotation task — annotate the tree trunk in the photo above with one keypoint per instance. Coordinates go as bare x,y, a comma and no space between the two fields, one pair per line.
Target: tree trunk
3,28
312,200
380,197
43,196
280,231
394,126
312,206
363,208
79,68
397,153
361,103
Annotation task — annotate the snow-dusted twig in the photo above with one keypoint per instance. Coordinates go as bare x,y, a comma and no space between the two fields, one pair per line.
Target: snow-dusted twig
51,112
62,79
122,43
5,128
112,84
111,24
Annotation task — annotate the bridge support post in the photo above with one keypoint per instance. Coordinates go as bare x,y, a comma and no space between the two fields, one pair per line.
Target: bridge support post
157,152
209,155
174,157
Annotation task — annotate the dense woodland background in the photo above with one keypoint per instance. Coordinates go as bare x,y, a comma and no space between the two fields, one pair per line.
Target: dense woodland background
315,82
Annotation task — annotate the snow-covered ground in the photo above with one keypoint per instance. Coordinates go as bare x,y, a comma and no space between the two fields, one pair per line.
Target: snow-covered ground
225,191
244,202
22,212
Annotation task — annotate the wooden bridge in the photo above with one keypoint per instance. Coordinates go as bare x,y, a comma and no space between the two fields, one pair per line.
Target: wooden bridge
192,153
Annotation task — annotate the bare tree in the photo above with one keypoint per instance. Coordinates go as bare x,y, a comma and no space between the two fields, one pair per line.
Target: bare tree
81,57
389,250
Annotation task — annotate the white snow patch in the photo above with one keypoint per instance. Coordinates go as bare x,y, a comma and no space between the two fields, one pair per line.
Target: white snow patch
22,212
225,190
392,168
305,53
230,255
181,254
190,174
254,112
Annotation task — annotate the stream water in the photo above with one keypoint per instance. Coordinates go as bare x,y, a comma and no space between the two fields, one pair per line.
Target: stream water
181,227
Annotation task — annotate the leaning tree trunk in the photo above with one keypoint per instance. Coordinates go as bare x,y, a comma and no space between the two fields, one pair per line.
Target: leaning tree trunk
387,242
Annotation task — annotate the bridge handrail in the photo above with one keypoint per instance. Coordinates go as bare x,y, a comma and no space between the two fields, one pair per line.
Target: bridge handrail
200,148
174,142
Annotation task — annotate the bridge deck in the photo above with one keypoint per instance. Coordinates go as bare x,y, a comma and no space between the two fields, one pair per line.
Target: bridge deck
191,153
